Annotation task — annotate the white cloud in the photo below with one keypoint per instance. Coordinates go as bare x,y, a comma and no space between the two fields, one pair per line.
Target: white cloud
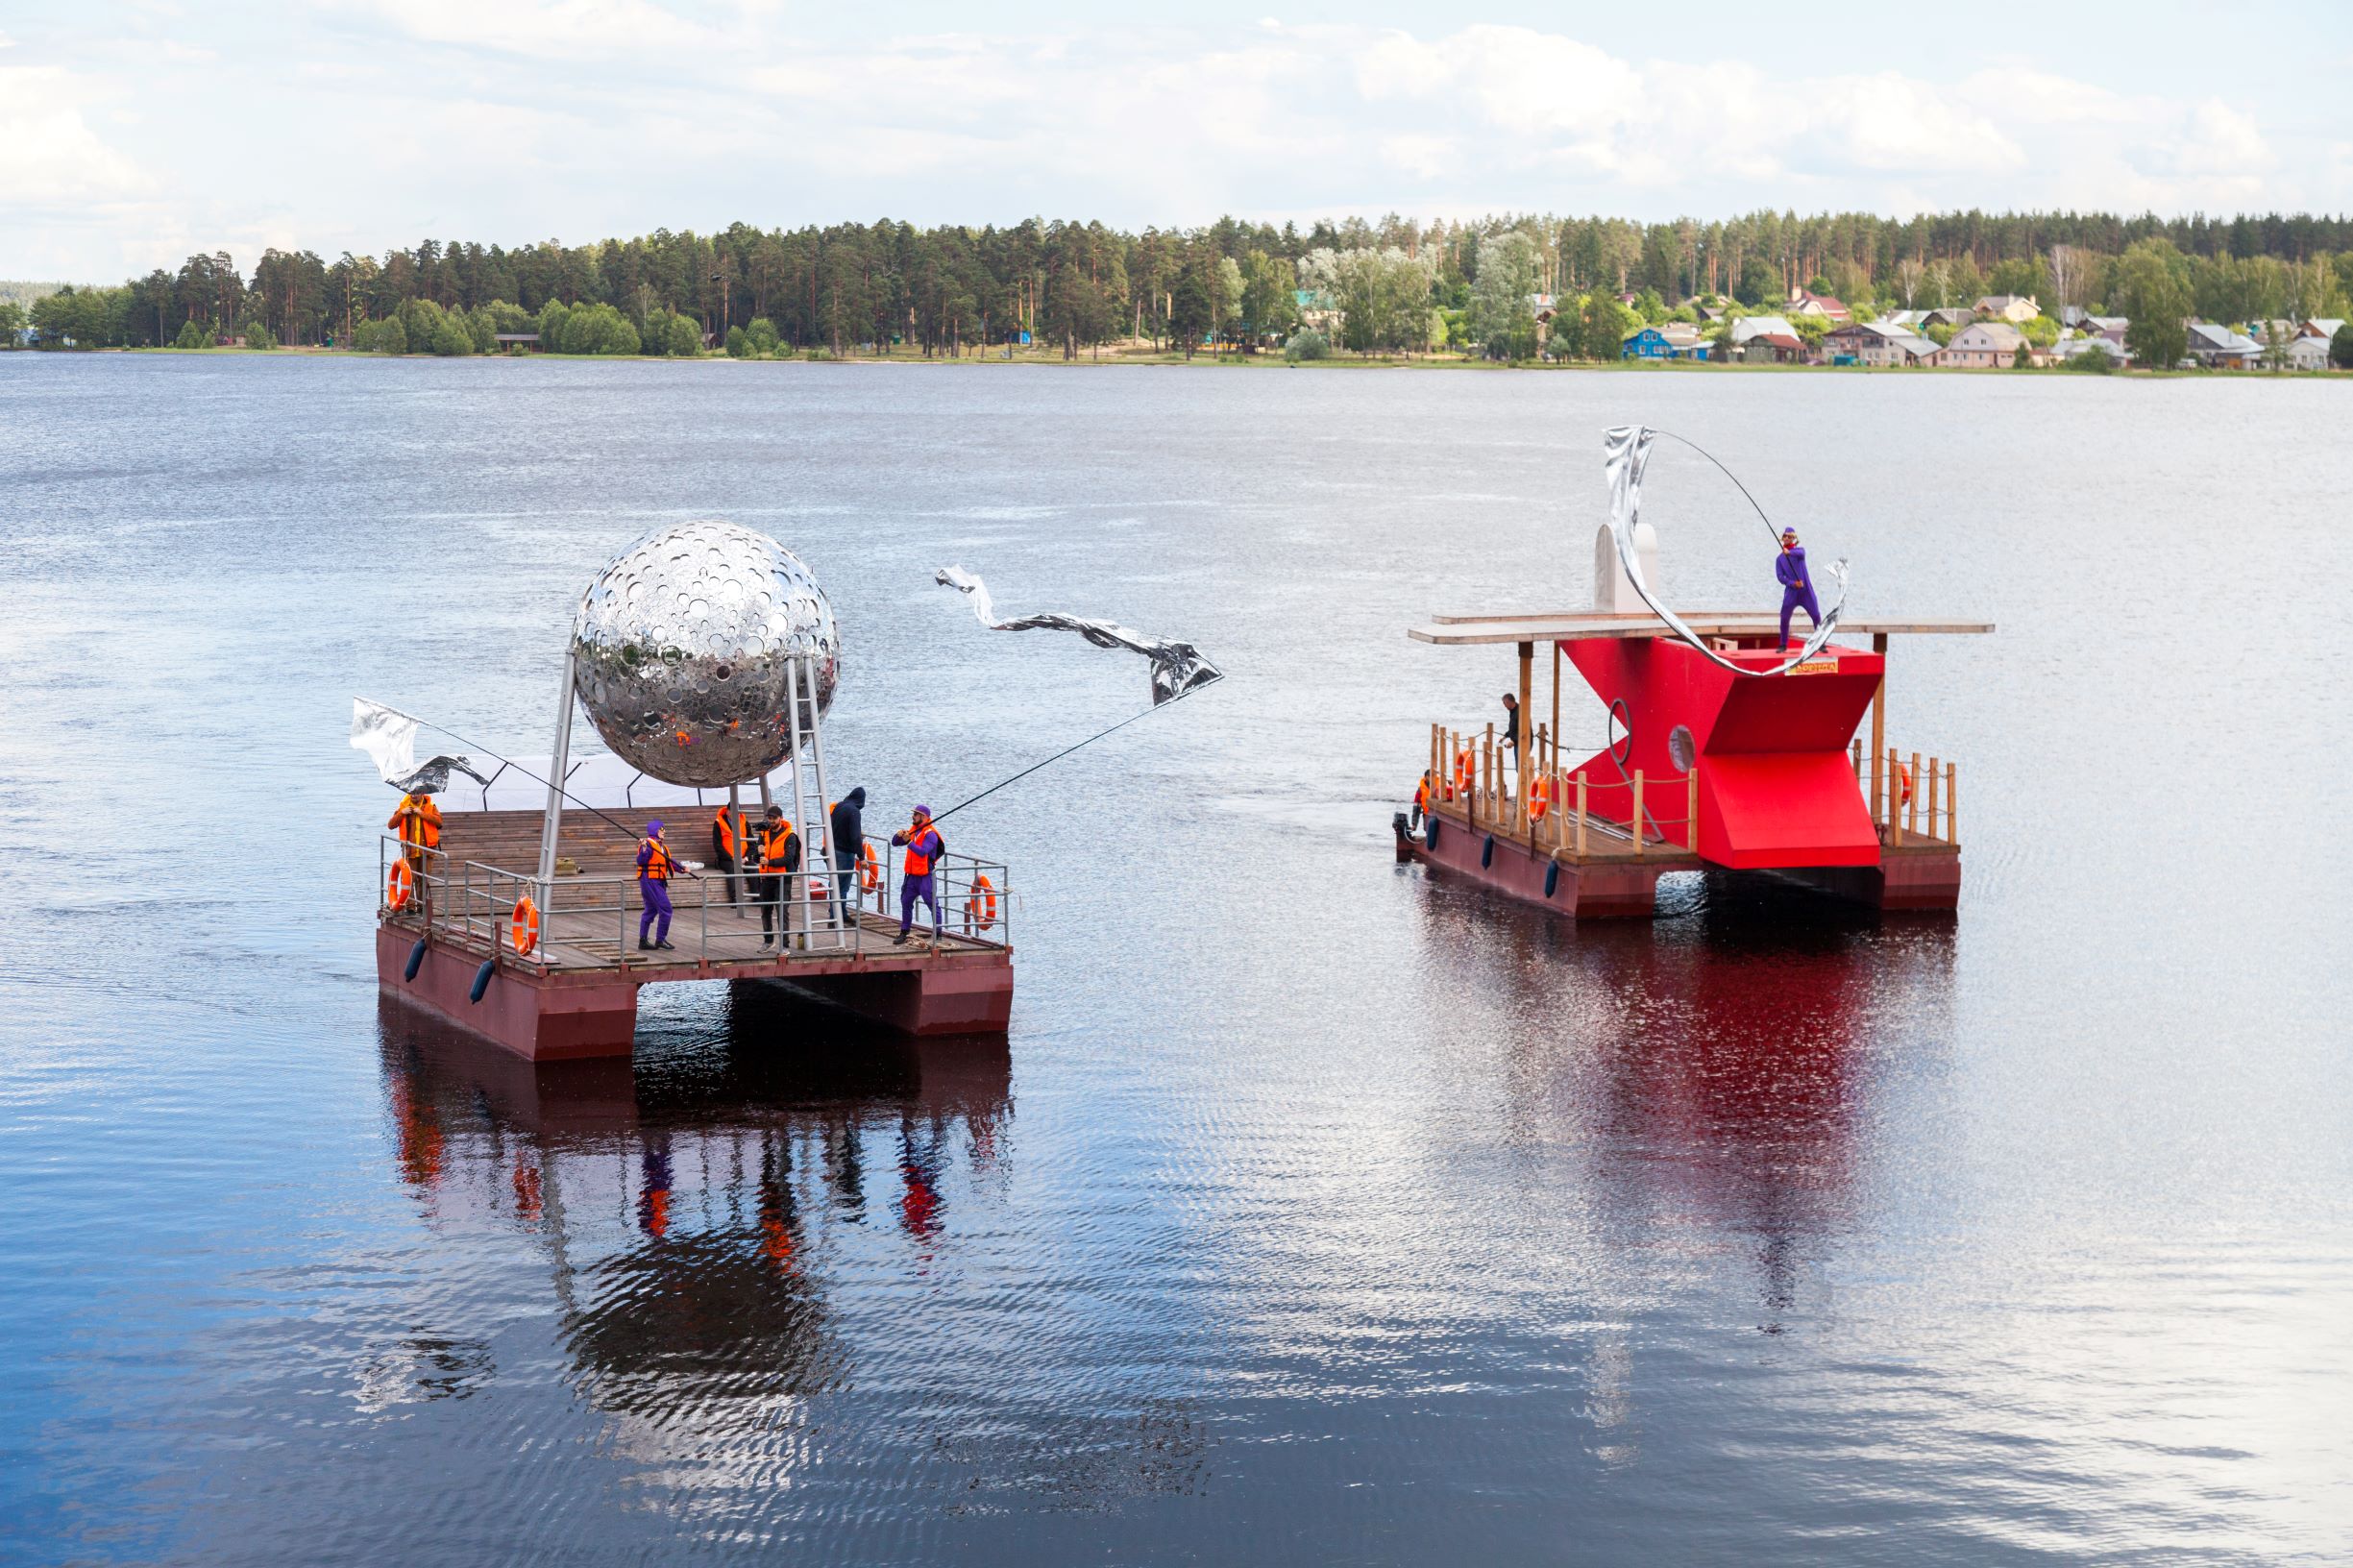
48,152
570,29
2218,141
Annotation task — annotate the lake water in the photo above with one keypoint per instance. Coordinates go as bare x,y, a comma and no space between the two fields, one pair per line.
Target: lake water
1315,1210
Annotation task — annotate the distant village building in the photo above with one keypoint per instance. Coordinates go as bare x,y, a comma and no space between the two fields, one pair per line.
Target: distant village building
1982,345
2069,348
517,342
1876,343
1669,340
1946,315
2018,309
2220,348
2323,326
1316,311
2308,352
1748,326
1773,349
1803,303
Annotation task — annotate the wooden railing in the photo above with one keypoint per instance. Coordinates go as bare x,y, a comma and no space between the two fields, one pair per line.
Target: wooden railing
1916,800
1473,775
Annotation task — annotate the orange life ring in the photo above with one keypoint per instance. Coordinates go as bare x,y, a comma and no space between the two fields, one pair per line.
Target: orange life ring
524,928
869,871
1540,797
981,908
1903,785
1466,769
398,885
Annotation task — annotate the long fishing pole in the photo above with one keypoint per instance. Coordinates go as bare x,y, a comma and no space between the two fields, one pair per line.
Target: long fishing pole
510,762
1063,752
1729,475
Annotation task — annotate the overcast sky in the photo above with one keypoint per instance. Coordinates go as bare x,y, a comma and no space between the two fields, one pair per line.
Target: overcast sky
132,134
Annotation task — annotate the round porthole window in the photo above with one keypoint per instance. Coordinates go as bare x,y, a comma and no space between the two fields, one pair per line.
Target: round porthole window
1621,731
1681,749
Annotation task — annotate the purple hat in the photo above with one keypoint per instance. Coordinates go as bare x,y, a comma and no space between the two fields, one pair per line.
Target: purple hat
923,811
653,825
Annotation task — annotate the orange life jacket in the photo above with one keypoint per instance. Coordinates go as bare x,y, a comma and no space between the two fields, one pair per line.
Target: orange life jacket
724,824
657,864
418,820
776,846
919,864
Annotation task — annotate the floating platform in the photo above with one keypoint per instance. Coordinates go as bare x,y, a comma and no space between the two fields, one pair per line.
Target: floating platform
574,994
1706,767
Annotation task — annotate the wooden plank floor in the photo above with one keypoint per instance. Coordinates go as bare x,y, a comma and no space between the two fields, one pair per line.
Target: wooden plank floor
1605,843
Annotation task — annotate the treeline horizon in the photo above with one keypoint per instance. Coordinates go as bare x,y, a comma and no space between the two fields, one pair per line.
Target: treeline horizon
1076,284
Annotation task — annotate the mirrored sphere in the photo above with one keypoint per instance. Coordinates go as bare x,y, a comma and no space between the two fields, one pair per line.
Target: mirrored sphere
683,645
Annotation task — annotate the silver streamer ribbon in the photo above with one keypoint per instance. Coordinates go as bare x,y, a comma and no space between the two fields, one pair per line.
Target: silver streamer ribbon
1628,453
390,738
1177,668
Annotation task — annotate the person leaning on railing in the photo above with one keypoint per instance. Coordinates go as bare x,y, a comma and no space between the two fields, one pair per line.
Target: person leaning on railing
418,822
779,859
848,837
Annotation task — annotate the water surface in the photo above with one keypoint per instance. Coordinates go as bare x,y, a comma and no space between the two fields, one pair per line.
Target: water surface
1315,1210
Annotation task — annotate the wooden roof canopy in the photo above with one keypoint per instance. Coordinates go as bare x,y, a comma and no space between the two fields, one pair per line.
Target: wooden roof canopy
1466,630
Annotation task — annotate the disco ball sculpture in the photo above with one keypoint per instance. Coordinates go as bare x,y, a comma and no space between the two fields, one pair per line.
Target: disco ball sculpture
683,650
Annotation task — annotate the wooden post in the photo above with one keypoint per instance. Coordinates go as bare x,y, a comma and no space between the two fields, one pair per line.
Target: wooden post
1691,808
1858,759
1952,822
1635,823
1933,771
1581,814
1555,763
1878,734
1523,723
1911,807
1895,821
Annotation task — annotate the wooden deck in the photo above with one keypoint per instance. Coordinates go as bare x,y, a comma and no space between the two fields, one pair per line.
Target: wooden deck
1470,630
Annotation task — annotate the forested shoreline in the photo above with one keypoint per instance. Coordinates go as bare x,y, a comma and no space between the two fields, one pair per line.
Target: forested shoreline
1394,285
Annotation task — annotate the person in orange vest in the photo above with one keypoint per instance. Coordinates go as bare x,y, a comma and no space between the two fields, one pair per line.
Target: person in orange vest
924,847
779,859
726,832
418,822
653,868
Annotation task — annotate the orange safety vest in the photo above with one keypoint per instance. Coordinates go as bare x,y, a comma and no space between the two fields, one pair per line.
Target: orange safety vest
657,864
724,823
919,864
418,820
775,847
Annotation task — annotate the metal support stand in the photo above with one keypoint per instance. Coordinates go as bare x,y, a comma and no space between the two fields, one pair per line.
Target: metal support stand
810,807
558,766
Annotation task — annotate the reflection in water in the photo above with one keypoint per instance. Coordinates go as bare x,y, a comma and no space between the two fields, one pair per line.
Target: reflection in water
1711,1071
704,1313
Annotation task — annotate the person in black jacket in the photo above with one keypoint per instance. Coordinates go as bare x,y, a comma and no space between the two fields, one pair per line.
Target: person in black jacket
848,834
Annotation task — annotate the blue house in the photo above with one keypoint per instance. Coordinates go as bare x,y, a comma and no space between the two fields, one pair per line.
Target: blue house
1650,343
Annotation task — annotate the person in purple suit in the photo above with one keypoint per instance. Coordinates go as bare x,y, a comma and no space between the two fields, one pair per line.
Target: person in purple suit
1797,590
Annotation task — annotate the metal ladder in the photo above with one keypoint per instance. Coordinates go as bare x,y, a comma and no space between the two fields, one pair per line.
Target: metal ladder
812,813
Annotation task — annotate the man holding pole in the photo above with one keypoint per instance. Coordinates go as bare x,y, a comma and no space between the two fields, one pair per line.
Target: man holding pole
924,847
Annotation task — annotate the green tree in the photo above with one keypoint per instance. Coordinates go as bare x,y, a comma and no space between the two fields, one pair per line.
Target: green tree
391,337
192,335
11,324
761,336
679,338
1602,326
738,343
1502,312
451,337
2149,285
1189,311
257,335
2022,357
2341,347
2042,331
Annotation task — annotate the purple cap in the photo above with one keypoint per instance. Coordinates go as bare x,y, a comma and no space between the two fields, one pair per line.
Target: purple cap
923,811
653,825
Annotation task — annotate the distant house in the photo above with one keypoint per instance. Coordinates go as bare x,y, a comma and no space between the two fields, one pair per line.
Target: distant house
2308,352
1646,343
1876,343
1316,311
2018,309
2073,317
2069,348
1748,326
1710,312
2323,326
1671,340
1803,303
1982,345
517,342
1773,349
1946,315
2219,348
2111,328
